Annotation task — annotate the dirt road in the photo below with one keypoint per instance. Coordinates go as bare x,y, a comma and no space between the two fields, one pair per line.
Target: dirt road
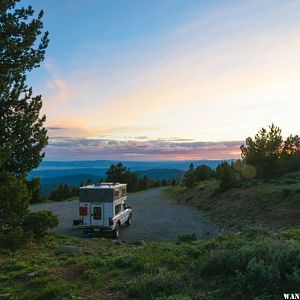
154,218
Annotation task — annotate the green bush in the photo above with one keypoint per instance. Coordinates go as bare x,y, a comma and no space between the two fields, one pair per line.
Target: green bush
90,275
175,297
293,196
39,222
125,261
290,181
34,189
47,288
69,261
189,178
15,269
253,268
228,178
290,234
96,261
187,238
148,286
285,193
255,231
14,238
14,200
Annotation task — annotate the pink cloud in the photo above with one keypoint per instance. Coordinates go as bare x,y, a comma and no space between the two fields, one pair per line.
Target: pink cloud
92,149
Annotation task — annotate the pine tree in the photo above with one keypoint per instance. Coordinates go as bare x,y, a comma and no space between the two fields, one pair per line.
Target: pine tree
21,50
189,178
23,136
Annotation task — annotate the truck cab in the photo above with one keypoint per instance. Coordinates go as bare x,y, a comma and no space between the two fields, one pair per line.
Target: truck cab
103,207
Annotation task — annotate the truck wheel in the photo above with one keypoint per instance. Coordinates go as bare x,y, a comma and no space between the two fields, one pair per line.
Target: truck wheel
115,232
129,220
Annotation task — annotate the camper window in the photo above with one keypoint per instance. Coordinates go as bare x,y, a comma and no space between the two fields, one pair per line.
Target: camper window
97,212
117,209
117,193
123,191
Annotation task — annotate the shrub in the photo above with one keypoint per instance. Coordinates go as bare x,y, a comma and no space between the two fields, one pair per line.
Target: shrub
14,200
69,261
39,222
186,238
14,238
189,178
34,189
228,178
293,196
254,231
15,269
290,181
285,193
175,297
125,261
96,262
290,234
47,288
203,172
253,268
90,275
148,286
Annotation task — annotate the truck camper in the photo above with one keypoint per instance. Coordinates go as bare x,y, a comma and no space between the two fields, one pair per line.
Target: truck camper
103,207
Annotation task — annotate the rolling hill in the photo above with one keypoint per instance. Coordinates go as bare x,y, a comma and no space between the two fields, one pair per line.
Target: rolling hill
53,173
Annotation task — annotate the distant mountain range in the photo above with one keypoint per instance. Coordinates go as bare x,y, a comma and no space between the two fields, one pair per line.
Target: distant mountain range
52,173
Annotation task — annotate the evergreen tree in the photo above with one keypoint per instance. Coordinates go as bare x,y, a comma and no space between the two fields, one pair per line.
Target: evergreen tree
174,181
22,138
22,48
34,189
14,198
144,183
189,178
63,192
203,172
291,153
219,169
264,152
132,180
116,173
164,182
227,177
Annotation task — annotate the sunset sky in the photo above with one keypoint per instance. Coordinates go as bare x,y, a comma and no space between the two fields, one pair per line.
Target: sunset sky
166,79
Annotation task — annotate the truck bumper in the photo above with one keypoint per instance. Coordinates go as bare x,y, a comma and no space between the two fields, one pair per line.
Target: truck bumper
96,229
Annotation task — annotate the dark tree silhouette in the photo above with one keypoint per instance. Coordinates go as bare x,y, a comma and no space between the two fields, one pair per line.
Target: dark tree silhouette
189,178
22,48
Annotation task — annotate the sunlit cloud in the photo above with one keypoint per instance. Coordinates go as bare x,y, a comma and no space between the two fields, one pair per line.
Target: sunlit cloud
92,149
61,89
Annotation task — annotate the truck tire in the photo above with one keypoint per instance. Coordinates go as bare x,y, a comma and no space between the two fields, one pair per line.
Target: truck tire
115,233
129,220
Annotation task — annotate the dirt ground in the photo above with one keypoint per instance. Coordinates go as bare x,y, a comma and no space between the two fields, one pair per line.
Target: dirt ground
154,218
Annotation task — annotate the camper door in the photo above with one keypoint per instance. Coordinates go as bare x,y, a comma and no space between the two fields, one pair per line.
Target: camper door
97,215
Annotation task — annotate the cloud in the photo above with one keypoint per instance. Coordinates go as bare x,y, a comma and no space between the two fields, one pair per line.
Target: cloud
54,128
61,89
72,129
86,149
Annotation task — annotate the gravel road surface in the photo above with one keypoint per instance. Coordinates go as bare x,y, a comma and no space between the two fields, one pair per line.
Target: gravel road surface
154,218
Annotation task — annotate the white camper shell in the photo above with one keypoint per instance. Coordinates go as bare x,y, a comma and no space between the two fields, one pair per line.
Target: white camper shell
103,207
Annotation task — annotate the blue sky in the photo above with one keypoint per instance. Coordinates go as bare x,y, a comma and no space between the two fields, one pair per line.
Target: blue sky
166,79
